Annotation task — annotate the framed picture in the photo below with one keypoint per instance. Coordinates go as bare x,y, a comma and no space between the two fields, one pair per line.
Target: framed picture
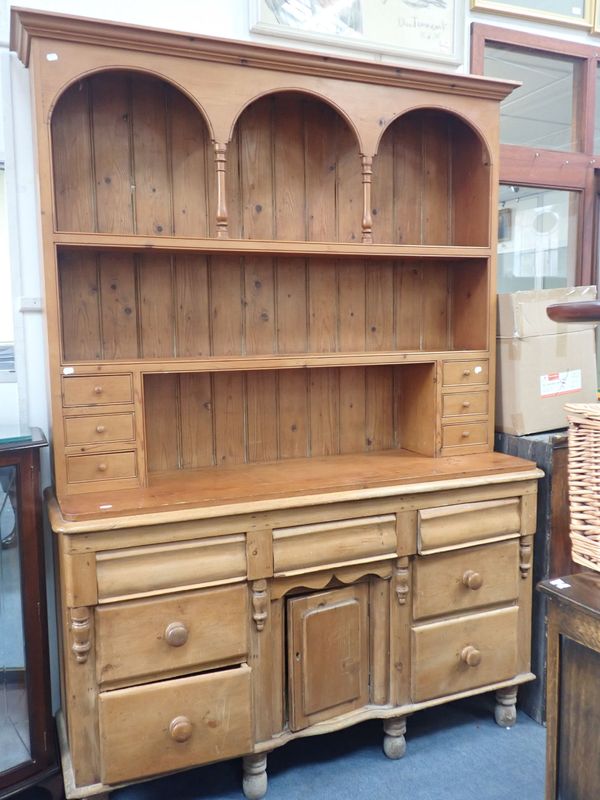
562,12
596,18
505,223
423,29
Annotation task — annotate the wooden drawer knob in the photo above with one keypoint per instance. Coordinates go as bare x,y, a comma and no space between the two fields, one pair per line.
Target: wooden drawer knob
471,655
466,404
180,729
466,372
176,634
472,579
98,389
465,434
100,428
102,467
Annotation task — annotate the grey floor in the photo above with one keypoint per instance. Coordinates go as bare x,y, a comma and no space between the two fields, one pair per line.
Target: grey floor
454,751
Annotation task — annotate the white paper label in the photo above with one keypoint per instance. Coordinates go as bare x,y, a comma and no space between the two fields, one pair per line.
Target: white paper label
560,584
556,383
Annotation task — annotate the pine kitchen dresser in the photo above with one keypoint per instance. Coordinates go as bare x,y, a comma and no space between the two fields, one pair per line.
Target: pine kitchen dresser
270,295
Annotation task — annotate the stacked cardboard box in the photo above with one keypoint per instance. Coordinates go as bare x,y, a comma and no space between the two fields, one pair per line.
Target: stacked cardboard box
541,364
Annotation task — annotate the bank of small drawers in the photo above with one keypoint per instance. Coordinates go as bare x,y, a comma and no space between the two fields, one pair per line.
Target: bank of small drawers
465,597
93,427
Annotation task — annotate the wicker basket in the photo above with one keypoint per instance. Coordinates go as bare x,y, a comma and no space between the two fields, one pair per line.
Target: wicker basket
584,482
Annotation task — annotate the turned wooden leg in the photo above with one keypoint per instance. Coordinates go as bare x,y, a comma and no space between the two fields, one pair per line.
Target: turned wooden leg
505,712
394,743
254,782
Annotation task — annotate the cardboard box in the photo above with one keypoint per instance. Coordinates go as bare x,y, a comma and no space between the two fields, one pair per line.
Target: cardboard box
541,365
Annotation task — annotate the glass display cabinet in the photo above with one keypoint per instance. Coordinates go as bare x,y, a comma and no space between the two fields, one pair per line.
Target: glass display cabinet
27,751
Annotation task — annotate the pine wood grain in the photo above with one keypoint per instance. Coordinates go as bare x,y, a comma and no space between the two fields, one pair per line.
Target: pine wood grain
72,157
110,111
79,297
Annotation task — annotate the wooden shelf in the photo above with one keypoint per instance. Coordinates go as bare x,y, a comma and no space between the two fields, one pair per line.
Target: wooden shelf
250,363
193,244
216,491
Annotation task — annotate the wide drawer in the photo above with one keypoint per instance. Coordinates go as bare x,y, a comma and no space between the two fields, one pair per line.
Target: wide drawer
464,653
97,390
312,547
184,632
465,373
463,404
101,467
160,727
465,434
99,428
465,524
462,580
156,569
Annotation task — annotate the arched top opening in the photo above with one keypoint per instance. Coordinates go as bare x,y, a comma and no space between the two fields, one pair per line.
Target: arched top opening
309,96
294,171
131,154
431,181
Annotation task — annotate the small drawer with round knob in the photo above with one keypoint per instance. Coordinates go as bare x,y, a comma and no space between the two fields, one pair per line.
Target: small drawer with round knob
96,390
465,373
174,724
99,429
140,640
455,655
466,579
464,404
101,467
466,434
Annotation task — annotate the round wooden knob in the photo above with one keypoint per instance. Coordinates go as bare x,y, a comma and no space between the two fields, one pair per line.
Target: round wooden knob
465,434
102,467
176,634
98,389
466,373
100,428
466,404
180,729
471,655
472,579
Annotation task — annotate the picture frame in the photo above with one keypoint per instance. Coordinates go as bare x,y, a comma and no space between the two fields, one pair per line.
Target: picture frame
580,13
596,19
505,225
433,31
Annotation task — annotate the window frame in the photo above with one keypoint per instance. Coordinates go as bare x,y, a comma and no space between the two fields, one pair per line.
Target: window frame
555,169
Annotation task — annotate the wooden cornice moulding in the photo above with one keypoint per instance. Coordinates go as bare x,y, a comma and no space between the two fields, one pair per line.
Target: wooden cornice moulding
27,24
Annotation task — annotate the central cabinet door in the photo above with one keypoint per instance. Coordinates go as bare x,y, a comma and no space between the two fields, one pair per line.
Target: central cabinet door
328,654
